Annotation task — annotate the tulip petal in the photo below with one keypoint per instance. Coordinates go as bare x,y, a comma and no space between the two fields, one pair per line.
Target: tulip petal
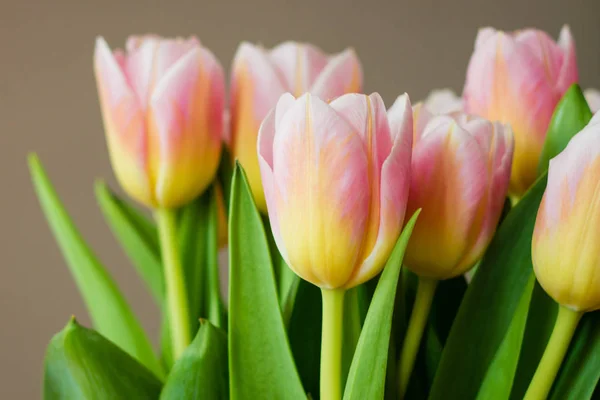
298,65
545,49
186,127
255,88
448,181
395,182
139,67
592,96
443,101
124,124
343,74
569,73
320,166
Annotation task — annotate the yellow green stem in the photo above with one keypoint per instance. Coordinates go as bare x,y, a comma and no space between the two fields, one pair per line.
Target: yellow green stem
177,303
331,344
564,328
416,326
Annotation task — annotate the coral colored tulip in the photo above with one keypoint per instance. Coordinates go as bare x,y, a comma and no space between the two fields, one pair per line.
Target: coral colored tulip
162,104
336,183
566,239
593,98
260,77
459,177
518,78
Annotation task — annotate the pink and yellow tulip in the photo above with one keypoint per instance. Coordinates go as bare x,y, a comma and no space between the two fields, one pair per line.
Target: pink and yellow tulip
336,182
260,77
162,104
459,178
518,78
566,239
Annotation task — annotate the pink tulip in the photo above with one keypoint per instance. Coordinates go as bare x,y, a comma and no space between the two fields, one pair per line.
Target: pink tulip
566,239
162,103
336,183
518,78
459,178
260,77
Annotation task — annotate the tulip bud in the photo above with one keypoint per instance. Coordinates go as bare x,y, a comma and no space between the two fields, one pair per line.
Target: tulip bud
592,96
518,78
459,177
566,239
162,105
336,183
260,77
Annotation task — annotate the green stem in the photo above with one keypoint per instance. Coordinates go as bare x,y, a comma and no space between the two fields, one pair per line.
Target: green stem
331,344
416,326
564,328
177,303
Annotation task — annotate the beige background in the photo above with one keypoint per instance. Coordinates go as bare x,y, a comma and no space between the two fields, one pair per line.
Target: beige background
48,104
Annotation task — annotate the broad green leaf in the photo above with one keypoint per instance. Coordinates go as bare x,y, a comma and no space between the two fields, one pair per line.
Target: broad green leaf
366,379
571,115
138,237
499,378
260,360
304,334
580,371
284,277
489,305
82,364
201,372
109,311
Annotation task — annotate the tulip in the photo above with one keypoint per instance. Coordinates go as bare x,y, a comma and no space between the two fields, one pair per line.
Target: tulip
593,98
162,104
336,182
459,178
565,246
518,78
260,77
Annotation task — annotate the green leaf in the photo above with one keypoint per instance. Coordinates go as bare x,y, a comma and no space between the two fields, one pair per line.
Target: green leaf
352,326
260,359
498,381
109,311
224,176
366,379
82,364
201,372
489,305
580,371
571,115
304,334
137,236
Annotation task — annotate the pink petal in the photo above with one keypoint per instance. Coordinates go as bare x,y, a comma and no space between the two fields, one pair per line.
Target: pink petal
395,182
320,166
298,65
124,124
568,74
483,35
443,101
139,69
343,74
187,114
592,97
545,49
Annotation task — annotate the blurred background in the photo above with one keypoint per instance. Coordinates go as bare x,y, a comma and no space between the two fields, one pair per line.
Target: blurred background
48,104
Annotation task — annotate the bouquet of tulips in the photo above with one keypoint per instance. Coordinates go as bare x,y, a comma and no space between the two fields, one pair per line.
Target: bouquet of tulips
446,249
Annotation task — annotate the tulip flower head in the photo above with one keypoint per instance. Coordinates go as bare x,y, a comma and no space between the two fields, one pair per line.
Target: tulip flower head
260,77
518,78
336,182
162,104
566,239
459,178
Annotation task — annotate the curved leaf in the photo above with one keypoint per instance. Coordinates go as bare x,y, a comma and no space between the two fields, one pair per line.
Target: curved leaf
366,379
489,305
109,311
82,364
260,359
201,372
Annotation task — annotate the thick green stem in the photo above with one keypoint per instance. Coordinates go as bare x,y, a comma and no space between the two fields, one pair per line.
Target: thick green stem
177,303
331,344
416,326
564,328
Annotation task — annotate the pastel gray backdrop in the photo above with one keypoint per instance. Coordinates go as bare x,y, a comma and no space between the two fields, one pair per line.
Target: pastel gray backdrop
48,104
